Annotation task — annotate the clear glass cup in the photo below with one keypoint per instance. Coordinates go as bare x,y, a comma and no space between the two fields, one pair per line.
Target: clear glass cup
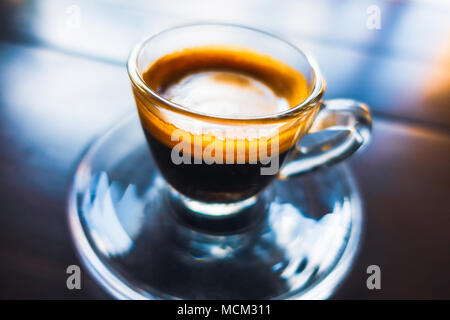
341,126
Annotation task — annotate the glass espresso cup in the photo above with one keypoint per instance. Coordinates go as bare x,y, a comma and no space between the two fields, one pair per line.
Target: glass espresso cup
218,164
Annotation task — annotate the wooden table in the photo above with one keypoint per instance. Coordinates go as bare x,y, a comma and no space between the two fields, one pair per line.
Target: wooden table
63,81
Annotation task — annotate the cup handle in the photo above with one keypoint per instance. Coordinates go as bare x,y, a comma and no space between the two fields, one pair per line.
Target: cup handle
342,127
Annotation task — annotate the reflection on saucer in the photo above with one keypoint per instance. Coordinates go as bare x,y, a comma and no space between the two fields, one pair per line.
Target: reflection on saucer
113,217
320,240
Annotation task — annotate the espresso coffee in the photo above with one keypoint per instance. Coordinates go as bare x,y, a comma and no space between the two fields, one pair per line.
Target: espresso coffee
222,161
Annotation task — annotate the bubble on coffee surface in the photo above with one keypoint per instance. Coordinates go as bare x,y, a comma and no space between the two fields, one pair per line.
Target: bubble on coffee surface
225,93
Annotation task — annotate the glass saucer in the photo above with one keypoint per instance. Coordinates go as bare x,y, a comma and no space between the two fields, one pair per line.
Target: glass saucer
134,244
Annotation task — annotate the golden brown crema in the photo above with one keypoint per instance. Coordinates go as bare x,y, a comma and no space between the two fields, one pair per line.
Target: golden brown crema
226,82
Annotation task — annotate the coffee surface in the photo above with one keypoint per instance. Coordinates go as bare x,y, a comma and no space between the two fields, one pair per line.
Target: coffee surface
225,93
226,81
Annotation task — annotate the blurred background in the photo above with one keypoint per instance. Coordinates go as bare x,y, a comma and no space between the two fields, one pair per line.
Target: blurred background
63,81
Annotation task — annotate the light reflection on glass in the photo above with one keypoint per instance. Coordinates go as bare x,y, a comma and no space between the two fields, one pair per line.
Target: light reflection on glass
114,217
298,233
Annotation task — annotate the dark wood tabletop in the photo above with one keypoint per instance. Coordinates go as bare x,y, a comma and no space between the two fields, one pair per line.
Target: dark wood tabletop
63,81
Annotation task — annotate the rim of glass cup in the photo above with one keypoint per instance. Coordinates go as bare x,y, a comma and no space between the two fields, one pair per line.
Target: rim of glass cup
136,79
